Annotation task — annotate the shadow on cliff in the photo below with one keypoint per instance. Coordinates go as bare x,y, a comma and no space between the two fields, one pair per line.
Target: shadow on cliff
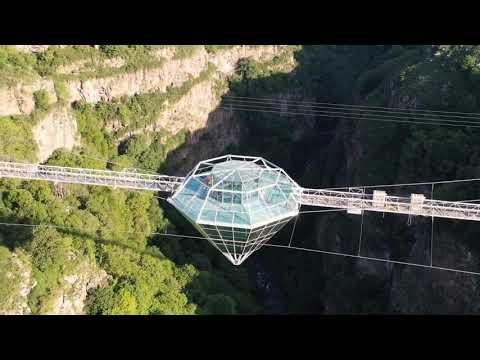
313,152
299,144
271,135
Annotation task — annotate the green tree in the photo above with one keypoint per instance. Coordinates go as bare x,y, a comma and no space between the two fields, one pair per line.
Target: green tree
16,140
219,304
10,281
50,253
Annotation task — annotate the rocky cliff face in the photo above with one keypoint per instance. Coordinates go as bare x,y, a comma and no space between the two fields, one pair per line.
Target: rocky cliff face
33,48
192,112
70,297
396,288
57,130
21,278
173,72
19,100
212,130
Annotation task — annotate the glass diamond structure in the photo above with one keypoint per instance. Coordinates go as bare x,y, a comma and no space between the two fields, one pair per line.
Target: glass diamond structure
237,202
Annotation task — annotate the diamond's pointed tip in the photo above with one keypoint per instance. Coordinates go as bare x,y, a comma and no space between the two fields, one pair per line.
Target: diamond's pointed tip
236,261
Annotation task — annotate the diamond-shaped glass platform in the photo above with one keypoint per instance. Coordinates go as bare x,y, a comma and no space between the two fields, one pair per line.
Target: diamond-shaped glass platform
237,202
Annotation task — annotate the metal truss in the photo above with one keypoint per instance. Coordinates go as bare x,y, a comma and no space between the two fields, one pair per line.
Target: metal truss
355,202
115,179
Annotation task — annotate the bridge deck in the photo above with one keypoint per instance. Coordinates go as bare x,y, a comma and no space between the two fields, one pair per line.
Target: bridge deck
353,201
117,179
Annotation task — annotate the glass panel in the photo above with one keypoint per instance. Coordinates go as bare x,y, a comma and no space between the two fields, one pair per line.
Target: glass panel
241,234
241,219
242,207
227,197
192,185
237,198
216,196
208,215
224,217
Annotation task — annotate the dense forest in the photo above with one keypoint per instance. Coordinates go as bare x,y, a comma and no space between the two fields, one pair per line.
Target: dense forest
120,232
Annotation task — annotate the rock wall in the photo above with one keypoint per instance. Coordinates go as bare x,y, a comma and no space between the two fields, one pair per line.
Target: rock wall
23,281
142,81
18,100
172,73
70,298
33,48
222,130
57,130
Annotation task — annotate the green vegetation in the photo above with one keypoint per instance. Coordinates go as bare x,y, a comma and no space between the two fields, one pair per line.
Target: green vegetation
370,79
185,51
128,51
61,91
91,126
215,48
144,284
48,62
50,252
150,151
15,66
250,71
42,102
132,112
13,274
16,141
7,286
155,274
113,229
423,77
136,56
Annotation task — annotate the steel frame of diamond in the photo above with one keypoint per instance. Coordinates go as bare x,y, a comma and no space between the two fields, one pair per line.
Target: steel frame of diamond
237,202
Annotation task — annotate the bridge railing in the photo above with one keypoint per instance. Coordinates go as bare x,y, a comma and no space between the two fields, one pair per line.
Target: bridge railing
414,205
120,179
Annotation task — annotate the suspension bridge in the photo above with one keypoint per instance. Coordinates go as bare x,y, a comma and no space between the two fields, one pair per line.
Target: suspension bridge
239,202
355,201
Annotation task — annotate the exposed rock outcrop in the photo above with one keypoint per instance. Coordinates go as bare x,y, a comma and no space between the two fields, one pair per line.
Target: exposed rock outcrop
77,67
58,129
222,130
226,60
22,280
19,100
172,73
33,48
191,111
70,297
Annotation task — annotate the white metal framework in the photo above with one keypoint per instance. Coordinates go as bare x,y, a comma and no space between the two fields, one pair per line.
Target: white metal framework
239,202
379,201
116,179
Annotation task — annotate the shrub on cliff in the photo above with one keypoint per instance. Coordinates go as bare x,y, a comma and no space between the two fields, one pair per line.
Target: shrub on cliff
42,101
